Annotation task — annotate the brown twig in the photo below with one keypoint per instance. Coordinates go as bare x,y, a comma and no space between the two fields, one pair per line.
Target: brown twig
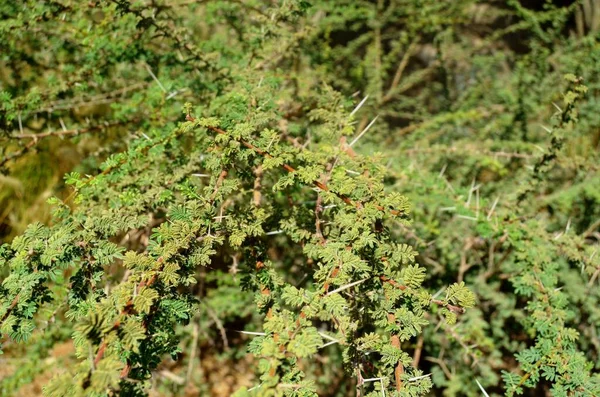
491,251
392,282
10,308
442,365
418,351
318,205
452,308
528,374
395,341
219,325
220,180
127,309
319,208
333,275
593,278
17,154
458,338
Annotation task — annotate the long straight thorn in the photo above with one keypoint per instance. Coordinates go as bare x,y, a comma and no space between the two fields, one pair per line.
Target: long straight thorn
489,215
343,287
364,131
557,107
155,79
252,333
468,202
20,123
482,389
359,106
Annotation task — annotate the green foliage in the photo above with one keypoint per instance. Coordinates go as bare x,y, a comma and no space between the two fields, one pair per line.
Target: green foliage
229,189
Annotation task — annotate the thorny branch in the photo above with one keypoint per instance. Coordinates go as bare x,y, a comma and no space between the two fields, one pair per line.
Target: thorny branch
291,169
35,138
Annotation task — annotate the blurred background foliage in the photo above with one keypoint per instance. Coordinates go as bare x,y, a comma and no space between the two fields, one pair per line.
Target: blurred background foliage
465,95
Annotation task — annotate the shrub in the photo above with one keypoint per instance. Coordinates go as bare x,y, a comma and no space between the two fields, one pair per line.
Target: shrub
227,177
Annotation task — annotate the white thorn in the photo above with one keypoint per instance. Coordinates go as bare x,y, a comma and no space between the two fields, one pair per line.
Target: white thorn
364,131
359,106
171,95
489,215
255,387
443,170
252,333
448,209
466,217
482,389
270,143
449,185
333,342
558,235
155,78
468,202
419,377
556,106
325,336
438,293
343,287
274,232
372,380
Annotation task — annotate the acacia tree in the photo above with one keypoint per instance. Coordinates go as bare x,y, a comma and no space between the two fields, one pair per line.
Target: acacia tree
234,173
213,185
228,181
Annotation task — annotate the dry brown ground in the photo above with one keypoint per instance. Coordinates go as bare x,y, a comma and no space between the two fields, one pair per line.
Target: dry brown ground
223,377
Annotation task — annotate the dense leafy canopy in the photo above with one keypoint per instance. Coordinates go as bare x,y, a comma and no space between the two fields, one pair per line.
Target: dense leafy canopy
380,198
